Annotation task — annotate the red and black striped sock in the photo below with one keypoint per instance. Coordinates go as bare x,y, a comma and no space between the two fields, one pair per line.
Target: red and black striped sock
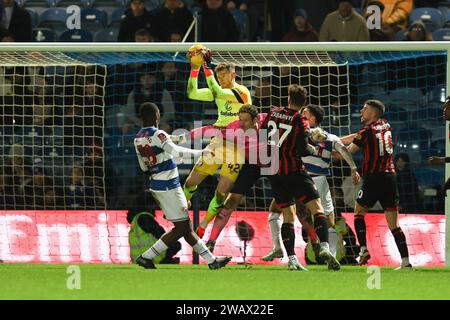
360,228
321,227
400,240
288,236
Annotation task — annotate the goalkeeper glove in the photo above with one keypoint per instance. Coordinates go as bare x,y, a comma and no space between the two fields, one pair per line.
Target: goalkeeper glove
206,52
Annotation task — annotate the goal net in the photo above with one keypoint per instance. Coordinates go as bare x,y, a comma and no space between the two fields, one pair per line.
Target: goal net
68,120
51,132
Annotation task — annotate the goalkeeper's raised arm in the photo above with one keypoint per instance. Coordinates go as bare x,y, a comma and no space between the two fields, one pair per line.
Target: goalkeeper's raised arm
228,95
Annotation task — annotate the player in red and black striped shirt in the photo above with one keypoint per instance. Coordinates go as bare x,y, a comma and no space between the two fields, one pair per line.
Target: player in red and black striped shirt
287,132
379,178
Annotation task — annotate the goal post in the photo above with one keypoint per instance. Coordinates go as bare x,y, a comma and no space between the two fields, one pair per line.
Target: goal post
327,63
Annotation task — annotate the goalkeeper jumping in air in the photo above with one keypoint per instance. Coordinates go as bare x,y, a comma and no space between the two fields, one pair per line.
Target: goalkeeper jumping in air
229,97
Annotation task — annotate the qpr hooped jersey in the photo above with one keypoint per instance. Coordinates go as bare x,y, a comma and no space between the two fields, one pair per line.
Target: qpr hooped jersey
149,143
319,162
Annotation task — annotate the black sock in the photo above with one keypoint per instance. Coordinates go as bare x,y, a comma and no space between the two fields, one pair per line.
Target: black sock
360,228
400,240
288,236
321,227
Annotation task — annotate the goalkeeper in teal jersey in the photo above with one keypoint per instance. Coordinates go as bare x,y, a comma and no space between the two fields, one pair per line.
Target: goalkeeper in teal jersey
229,97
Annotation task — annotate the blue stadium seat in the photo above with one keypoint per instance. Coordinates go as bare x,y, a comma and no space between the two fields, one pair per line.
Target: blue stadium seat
93,19
55,19
117,16
67,3
76,36
107,35
242,24
401,35
441,34
432,17
44,35
36,6
34,17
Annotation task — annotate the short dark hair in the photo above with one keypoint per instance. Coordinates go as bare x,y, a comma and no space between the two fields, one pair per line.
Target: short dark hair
377,104
225,66
149,112
317,111
250,109
297,94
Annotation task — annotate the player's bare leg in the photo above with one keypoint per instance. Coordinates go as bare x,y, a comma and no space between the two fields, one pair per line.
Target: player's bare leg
399,236
192,182
222,218
223,188
321,227
288,236
360,228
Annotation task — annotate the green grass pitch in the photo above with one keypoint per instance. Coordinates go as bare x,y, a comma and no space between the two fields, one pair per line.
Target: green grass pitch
185,282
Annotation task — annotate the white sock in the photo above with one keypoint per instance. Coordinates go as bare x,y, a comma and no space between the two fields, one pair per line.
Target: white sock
275,229
203,251
332,240
324,246
158,247
293,258
363,248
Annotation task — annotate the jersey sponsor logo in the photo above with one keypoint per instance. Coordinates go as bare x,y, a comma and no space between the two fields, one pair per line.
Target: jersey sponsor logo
228,106
162,137
229,114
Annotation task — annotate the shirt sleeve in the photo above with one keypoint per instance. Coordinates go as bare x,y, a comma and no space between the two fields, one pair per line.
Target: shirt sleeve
360,138
194,93
163,140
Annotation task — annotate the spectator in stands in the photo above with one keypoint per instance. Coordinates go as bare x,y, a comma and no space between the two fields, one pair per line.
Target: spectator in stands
148,89
218,24
136,17
98,174
386,32
302,31
279,17
254,10
427,3
172,16
142,35
418,32
34,189
344,24
17,21
175,37
410,198
79,195
396,13
17,172
53,198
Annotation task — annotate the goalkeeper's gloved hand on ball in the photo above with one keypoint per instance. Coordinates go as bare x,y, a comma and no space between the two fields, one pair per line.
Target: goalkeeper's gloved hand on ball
206,52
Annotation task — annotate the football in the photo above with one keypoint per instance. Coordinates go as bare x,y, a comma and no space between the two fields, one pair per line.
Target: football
196,53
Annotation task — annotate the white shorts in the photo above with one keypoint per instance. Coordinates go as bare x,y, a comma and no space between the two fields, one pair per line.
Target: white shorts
173,203
324,192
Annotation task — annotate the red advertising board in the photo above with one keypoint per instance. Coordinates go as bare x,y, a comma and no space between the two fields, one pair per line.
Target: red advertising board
102,237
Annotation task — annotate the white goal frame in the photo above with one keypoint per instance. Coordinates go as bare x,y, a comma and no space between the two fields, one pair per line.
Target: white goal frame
259,46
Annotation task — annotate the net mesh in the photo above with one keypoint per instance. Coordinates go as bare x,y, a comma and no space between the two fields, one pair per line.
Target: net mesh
76,122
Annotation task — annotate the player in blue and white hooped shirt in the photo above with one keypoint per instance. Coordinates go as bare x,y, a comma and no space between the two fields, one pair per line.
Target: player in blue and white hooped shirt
155,152
318,167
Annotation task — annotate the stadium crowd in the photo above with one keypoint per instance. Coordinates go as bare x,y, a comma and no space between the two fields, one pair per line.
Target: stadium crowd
226,20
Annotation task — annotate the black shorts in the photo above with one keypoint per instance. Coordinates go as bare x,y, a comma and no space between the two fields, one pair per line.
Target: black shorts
297,186
250,173
379,187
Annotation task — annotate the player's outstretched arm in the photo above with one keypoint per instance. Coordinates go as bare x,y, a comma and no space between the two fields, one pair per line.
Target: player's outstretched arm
345,153
193,92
